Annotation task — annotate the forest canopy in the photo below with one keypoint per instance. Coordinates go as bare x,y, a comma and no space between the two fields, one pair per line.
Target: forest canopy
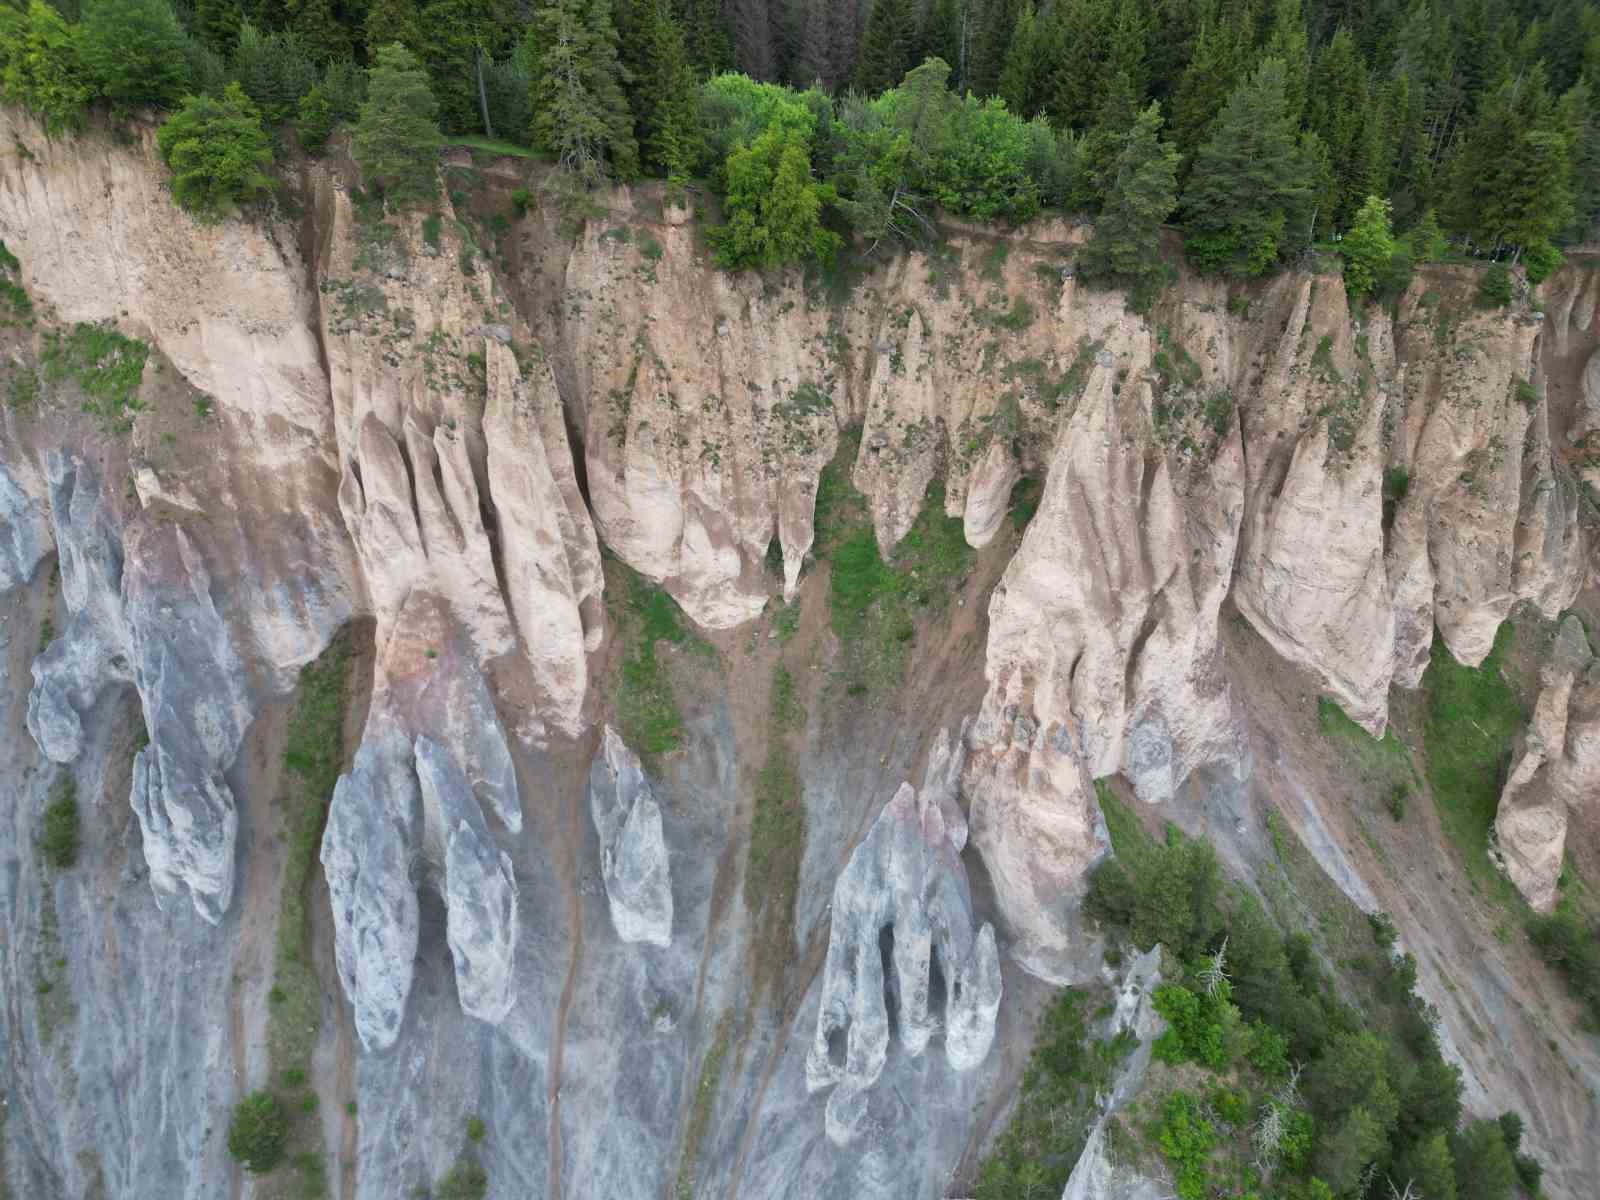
1259,127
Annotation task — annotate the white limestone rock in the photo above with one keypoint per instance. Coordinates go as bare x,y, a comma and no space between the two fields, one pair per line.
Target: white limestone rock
633,852
367,853
480,890
901,934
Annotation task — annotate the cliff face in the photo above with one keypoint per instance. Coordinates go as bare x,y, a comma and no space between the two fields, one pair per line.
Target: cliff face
429,426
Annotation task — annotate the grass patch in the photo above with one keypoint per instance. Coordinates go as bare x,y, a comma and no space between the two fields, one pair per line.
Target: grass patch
705,1095
1572,945
647,710
1385,763
432,228
1473,718
59,839
465,1181
492,146
873,600
313,753
107,366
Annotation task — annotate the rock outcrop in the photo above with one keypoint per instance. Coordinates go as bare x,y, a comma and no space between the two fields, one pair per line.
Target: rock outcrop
1558,767
368,852
902,954
140,612
633,853
24,532
480,889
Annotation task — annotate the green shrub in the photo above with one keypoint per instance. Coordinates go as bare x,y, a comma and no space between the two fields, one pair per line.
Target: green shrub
521,201
218,152
1568,943
1186,1139
42,67
432,227
59,839
1541,261
1193,1034
466,1181
106,365
258,1132
134,50
476,1129
1494,290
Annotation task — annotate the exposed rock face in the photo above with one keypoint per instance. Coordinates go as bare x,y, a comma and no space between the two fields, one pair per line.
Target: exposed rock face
24,532
901,939
633,853
552,560
367,854
141,613
1318,483
1559,765
480,891
1489,517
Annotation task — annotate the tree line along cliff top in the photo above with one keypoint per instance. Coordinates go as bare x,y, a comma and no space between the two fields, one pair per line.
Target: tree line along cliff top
1262,128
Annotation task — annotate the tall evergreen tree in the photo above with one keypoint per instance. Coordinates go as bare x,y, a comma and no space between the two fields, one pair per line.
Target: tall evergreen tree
1143,193
1076,34
946,35
1205,85
216,23
987,57
396,136
1581,122
580,113
706,38
319,30
666,97
887,46
1249,180
1022,81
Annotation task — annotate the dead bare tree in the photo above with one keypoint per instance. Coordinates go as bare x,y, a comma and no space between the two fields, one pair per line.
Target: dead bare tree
1215,972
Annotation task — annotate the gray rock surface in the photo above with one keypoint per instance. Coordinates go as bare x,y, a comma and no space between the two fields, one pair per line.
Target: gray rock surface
24,532
902,957
633,853
480,891
367,852
140,612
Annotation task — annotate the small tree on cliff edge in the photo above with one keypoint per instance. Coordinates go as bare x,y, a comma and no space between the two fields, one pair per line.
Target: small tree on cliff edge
218,152
397,134
1367,248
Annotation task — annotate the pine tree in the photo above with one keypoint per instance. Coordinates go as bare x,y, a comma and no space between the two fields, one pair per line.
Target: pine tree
666,95
1118,112
1249,180
1022,78
1367,249
1288,42
397,134
1581,122
944,35
319,31
887,46
394,21
1126,47
216,23
987,57
580,113
1073,39
1204,86
706,39
1143,193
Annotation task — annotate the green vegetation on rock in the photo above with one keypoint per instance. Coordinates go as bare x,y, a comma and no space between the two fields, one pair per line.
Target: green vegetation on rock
647,710
106,365
1473,719
258,1132
58,841
218,151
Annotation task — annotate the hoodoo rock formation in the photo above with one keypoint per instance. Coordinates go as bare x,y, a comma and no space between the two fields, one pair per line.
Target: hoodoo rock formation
422,428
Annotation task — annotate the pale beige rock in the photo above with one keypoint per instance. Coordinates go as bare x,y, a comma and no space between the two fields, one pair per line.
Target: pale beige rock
1311,575
1558,765
552,560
